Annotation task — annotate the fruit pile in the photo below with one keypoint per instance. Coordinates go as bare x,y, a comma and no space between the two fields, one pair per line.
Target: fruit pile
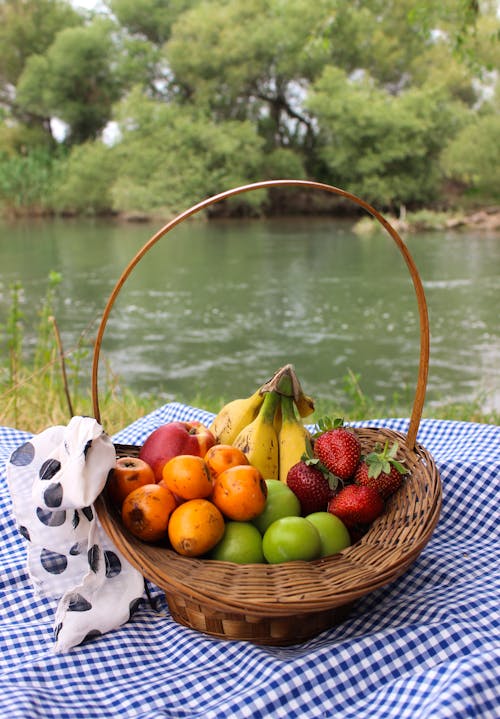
257,485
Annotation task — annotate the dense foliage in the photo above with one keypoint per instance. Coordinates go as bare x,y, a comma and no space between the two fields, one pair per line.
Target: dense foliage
158,104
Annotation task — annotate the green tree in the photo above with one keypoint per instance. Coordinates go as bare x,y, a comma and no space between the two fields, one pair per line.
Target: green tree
170,156
27,28
440,69
152,19
209,93
85,180
250,59
386,37
383,147
376,35
74,80
140,62
473,157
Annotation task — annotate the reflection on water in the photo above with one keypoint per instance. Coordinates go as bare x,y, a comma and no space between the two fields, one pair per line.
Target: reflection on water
216,307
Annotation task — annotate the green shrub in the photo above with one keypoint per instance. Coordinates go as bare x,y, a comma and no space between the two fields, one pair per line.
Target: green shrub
84,185
25,181
170,157
473,157
382,147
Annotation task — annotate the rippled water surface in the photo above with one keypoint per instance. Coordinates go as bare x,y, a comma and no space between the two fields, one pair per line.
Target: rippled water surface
214,308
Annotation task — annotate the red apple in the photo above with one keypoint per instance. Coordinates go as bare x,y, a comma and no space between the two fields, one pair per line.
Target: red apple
172,439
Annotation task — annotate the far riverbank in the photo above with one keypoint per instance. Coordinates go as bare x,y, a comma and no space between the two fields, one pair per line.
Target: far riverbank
483,220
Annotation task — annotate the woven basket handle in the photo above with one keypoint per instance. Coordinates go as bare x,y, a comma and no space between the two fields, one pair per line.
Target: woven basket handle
419,397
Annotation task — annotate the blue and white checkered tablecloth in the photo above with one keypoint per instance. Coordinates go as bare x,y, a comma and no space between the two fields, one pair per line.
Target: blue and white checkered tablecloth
426,646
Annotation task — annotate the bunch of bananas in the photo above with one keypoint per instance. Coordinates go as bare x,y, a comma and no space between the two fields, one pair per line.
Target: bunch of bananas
265,425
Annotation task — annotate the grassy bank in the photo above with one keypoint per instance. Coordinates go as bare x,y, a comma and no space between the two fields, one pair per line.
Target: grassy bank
486,219
37,400
47,388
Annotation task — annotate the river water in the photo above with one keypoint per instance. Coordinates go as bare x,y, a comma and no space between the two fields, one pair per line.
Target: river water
215,307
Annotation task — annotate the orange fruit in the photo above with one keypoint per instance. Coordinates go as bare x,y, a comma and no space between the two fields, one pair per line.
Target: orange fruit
146,512
187,476
128,474
240,492
195,527
222,456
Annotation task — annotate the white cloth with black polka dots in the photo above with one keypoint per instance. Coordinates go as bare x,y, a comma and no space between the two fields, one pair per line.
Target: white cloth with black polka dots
54,478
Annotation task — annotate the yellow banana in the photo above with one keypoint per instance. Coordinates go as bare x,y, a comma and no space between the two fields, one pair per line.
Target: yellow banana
277,419
259,440
294,438
234,416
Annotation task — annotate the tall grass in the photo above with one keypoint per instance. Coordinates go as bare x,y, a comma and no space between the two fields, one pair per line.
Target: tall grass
46,387
25,181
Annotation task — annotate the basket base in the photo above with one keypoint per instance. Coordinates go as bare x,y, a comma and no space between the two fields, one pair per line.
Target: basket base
275,631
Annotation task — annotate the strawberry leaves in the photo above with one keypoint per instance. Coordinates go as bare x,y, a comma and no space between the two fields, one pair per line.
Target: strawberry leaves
332,479
326,423
380,460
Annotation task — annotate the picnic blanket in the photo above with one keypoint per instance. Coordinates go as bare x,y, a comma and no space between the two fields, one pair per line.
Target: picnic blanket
425,646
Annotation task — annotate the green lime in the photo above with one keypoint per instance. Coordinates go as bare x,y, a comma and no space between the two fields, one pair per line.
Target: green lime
241,543
332,531
291,538
280,502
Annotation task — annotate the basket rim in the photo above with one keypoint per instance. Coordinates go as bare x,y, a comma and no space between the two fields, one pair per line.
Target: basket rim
305,587
423,366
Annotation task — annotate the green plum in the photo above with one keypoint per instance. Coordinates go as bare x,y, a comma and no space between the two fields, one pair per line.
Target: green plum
332,531
241,543
291,538
280,502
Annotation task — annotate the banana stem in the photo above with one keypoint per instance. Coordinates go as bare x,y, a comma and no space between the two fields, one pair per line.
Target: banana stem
285,382
276,381
287,410
284,385
269,407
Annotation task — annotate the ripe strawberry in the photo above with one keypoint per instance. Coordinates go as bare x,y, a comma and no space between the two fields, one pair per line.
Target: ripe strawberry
380,470
311,486
338,448
356,504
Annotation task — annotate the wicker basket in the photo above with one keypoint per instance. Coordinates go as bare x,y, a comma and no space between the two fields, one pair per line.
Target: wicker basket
291,602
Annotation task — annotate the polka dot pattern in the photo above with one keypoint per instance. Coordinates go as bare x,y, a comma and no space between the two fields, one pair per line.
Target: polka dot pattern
23,455
68,553
24,531
113,564
88,513
134,606
49,469
53,562
90,636
79,604
94,557
87,447
53,495
51,519
57,630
